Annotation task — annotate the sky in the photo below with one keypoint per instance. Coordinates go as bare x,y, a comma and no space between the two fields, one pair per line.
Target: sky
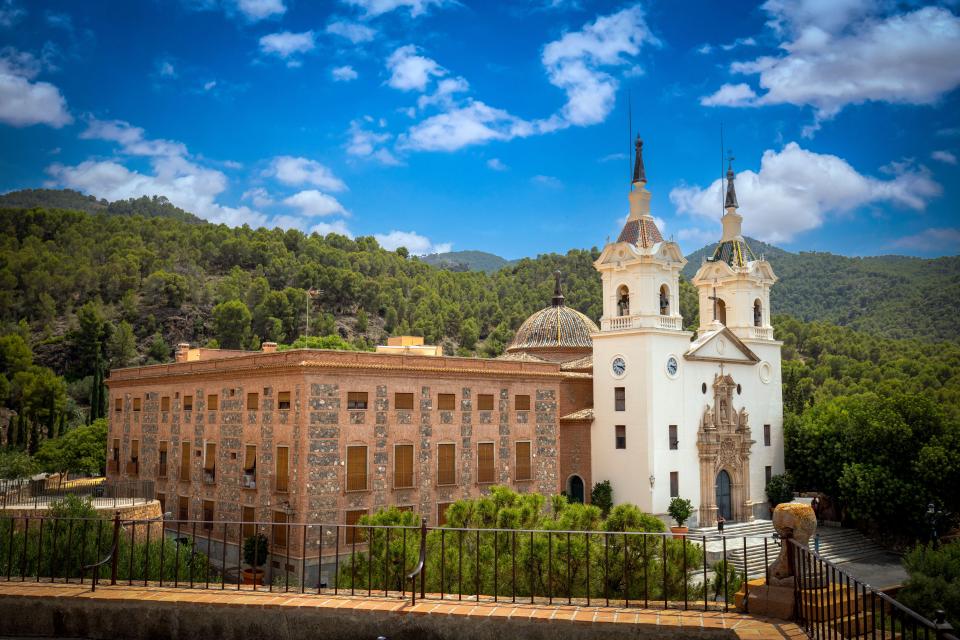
499,126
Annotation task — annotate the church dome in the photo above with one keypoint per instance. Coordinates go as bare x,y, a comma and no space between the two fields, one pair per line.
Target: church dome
555,328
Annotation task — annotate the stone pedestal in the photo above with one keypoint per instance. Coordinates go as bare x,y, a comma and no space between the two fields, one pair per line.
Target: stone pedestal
766,600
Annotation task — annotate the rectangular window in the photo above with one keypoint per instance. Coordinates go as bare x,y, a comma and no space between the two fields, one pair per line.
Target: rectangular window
248,516
357,468
208,515
283,459
356,400
213,402
183,508
446,401
766,435
162,499
354,533
486,469
210,463
442,513
165,403
485,402
133,467
674,484
403,401
521,403
116,449
162,466
621,436
283,400
674,441
522,469
253,401
279,530
767,474
446,464
619,398
118,404
184,462
250,467
136,404
402,466
188,403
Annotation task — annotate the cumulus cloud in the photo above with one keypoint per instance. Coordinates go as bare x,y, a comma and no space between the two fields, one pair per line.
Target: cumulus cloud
314,203
355,32
573,62
946,157
943,241
841,53
345,73
475,123
411,71
288,46
374,8
10,13
795,190
693,238
255,10
444,94
333,226
166,69
731,95
132,140
496,164
295,171
24,102
414,242
259,196
364,143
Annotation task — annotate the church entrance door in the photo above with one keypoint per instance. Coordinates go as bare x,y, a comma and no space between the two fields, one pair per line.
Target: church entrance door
723,496
576,489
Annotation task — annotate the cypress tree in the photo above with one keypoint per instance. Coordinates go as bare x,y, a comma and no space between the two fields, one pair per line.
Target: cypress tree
51,418
12,431
34,443
21,430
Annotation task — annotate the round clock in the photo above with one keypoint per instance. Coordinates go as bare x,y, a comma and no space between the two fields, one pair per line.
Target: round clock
619,366
672,366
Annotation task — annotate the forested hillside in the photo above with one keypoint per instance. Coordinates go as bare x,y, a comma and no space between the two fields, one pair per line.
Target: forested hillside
70,199
467,261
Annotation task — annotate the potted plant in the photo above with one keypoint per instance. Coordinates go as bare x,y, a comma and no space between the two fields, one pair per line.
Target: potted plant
255,555
680,510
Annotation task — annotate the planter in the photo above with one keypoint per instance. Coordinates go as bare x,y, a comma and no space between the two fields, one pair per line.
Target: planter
679,532
253,576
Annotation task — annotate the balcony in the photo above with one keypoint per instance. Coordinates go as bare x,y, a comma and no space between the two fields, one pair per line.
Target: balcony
249,480
209,476
761,333
624,323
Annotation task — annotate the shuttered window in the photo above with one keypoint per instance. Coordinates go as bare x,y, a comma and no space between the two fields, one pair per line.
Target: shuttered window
185,462
188,403
485,465
356,468
356,400
183,508
619,399
248,516
766,435
280,527
446,464
283,400
403,466
403,401
134,451
446,401
210,457
674,484
485,402
250,458
674,440
283,455
521,403
213,402
522,469
118,404
116,449
208,514
621,436
162,465
253,401
165,403
354,533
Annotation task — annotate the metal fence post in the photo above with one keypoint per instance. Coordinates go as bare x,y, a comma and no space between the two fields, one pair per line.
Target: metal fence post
116,548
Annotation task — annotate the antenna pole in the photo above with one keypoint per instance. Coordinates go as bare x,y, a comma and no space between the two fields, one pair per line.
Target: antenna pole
721,169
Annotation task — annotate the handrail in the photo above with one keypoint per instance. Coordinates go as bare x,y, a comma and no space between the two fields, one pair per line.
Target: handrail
111,557
418,570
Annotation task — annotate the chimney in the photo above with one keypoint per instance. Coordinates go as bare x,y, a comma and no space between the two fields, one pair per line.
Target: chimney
268,347
183,351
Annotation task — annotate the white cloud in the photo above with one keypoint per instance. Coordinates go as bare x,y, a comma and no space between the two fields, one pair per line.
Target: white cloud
444,93
288,45
166,69
10,13
573,62
295,171
345,73
693,238
374,8
496,164
475,123
411,71
352,31
547,181
907,58
944,241
414,242
131,139
731,95
795,190
739,42
613,156
255,10
23,102
210,84
315,203
368,144
259,196
334,226
705,49
944,156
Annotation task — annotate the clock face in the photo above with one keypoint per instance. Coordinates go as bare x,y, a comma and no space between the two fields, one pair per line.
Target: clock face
619,366
672,366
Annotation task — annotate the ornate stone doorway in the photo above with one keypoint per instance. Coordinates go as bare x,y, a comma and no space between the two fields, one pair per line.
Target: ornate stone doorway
576,489
723,495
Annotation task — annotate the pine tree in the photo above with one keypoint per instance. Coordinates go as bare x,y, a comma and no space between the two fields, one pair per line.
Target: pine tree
51,418
34,443
21,430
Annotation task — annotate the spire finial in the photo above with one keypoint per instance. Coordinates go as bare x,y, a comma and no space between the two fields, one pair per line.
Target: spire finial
639,173
557,290
731,199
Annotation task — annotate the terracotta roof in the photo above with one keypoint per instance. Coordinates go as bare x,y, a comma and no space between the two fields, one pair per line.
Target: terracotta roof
520,356
582,414
641,232
556,326
579,364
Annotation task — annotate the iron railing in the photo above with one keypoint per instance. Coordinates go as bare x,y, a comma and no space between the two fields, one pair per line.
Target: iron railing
830,603
36,494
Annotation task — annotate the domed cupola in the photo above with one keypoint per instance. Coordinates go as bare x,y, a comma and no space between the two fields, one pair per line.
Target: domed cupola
556,333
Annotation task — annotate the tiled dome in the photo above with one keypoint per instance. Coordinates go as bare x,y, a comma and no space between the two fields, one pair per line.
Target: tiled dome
556,326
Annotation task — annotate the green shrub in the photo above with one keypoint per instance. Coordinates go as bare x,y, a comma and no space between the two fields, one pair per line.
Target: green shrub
934,581
734,580
780,489
602,497
680,510
255,550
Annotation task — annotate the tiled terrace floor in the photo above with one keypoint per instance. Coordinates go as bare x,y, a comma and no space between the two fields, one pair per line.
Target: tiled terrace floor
740,625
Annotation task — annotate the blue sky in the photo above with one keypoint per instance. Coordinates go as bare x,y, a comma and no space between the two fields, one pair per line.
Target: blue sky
498,126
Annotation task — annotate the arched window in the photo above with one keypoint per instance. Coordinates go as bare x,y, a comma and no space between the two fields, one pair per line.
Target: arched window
722,312
623,301
757,313
664,300
575,490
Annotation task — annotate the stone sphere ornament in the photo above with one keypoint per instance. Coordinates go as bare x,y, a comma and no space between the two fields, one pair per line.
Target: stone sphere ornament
793,521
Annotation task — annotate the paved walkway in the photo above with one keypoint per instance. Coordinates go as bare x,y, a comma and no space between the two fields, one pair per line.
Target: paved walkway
686,623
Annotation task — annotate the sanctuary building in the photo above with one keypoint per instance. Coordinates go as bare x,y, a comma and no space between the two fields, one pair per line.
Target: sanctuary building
328,436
